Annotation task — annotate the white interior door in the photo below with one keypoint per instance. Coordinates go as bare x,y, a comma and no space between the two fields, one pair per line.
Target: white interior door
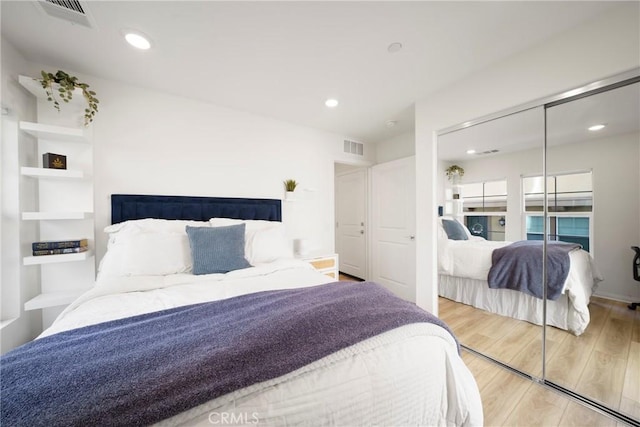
393,218
351,210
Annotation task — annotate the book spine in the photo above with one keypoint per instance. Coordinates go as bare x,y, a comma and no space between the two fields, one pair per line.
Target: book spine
59,251
36,246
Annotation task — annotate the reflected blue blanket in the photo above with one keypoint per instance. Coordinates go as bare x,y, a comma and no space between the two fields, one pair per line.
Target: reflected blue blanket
519,267
143,369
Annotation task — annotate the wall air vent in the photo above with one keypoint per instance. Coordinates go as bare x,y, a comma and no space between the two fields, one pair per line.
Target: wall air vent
352,147
73,11
484,153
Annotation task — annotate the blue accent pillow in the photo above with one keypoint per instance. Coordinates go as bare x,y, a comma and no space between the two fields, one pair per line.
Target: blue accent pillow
217,249
454,230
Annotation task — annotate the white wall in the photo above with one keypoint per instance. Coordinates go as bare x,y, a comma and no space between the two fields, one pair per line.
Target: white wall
616,205
146,142
17,283
153,143
398,147
603,47
616,178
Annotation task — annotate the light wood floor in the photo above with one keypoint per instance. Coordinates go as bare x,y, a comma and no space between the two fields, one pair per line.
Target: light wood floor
603,363
347,278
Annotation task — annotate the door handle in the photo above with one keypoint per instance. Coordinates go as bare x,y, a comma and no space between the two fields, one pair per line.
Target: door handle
412,237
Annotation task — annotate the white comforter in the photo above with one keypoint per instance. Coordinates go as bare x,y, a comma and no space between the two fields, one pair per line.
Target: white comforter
407,376
471,259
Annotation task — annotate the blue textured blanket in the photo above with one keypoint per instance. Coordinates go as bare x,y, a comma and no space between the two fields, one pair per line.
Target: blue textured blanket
519,267
143,369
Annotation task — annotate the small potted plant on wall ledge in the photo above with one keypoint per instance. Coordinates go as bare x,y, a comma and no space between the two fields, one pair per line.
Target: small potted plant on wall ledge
454,173
290,186
65,85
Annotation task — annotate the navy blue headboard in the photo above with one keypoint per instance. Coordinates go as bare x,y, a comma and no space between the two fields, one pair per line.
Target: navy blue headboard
125,207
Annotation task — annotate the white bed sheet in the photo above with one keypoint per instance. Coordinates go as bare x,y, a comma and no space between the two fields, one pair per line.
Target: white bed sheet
407,376
464,267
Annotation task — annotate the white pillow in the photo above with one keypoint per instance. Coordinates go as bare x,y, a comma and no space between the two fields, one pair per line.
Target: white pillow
155,254
265,241
150,225
148,247
267,245
251,224
224,222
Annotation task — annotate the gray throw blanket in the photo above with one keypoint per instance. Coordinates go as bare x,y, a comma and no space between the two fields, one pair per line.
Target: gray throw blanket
142,369
519,267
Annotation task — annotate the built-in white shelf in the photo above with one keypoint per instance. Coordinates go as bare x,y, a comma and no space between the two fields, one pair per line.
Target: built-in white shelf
42,216
60,197
35,87
51,173
51,259
52,299
55,133
7,322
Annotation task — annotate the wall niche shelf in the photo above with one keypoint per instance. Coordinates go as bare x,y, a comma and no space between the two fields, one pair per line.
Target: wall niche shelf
52,299
36,89
55,133
51,173
62,200
50,259
46,216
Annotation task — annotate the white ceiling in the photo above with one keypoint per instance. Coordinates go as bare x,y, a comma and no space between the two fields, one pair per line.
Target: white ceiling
567,123
284,59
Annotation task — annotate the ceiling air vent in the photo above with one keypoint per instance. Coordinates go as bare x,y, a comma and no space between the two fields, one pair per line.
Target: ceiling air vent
353,147
483,153
73,11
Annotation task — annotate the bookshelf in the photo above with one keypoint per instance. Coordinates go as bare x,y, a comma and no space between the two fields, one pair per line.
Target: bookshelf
51,259
63,200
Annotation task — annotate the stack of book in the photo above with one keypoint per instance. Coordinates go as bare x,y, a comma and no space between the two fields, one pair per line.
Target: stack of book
60,247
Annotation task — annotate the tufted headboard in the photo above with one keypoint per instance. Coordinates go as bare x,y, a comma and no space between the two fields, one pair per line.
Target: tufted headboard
126,207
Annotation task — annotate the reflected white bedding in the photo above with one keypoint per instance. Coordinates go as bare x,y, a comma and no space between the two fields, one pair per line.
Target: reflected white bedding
463,267
411,375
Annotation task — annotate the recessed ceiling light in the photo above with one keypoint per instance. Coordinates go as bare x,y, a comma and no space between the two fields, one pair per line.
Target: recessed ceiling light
137,40
331,103
394,47
595,128
471,151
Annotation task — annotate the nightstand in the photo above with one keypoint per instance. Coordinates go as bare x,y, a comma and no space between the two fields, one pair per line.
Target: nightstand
325,263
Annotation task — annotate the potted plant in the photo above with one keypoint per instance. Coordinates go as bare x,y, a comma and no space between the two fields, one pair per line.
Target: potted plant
290,186
66,84
454,172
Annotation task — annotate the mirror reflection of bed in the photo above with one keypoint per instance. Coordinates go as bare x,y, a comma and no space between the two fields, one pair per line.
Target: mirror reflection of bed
592,345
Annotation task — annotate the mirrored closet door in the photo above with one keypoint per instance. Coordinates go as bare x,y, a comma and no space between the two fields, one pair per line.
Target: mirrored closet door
561,178
593,199
482,168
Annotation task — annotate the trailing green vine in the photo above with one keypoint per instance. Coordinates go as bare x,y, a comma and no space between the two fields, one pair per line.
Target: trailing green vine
67,84
454,170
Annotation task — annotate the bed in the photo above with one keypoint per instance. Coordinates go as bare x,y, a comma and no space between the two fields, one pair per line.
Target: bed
465,268
273,342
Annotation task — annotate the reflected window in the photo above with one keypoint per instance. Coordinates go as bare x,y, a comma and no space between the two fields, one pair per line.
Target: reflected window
484,208
570,205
